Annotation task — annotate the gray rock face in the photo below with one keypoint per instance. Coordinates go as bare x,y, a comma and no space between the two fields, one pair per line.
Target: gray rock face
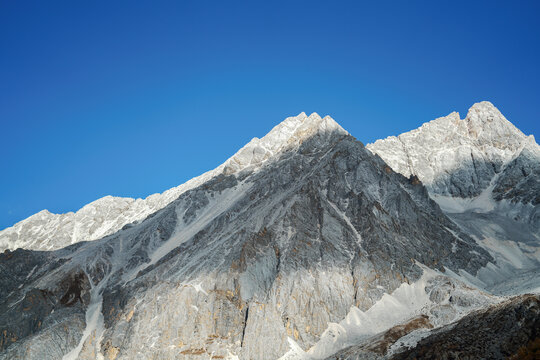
33,314
520,180
242,264
485,174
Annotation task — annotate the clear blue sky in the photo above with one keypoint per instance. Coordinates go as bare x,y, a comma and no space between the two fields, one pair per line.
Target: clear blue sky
132,98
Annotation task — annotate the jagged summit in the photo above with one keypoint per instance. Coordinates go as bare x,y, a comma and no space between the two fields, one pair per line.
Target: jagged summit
485,122
454,156
485,111
486,107
289,133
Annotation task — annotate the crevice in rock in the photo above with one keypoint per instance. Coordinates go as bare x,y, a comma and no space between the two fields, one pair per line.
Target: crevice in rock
278,258
354,283
76,285
245,325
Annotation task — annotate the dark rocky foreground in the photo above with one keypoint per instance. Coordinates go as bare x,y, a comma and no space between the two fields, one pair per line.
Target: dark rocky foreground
510,330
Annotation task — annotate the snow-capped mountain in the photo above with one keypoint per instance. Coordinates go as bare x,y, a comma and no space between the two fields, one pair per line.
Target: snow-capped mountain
301,245
470,164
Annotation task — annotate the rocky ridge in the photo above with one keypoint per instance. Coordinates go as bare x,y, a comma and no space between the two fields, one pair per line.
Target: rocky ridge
48,231
460,157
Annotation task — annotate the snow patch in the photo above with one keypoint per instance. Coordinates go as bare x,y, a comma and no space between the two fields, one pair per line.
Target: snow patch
405,302
483,203
94,321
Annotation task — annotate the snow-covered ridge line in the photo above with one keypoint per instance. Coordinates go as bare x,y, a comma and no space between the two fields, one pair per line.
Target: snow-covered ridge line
102,217
457,157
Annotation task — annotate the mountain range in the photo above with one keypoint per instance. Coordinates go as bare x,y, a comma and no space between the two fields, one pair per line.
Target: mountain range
305,244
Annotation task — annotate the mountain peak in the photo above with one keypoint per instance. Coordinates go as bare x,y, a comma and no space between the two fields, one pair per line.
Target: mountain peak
454,156
484,106
289,133
485,121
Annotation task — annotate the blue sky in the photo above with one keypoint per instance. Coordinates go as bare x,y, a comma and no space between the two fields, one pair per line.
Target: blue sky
132,98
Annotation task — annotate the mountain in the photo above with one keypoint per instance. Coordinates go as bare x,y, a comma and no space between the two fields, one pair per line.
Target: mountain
485,175
302,244
464,157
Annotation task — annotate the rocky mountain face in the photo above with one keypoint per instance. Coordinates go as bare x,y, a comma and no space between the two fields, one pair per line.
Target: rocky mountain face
463,157
105,216
485,175
302,244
